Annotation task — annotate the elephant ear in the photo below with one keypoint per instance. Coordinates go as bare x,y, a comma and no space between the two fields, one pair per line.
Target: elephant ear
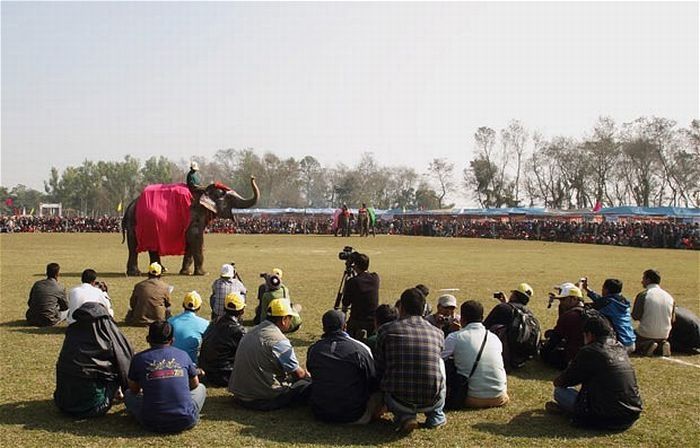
208,203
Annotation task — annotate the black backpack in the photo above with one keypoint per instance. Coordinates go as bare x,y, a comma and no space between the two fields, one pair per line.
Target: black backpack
523,332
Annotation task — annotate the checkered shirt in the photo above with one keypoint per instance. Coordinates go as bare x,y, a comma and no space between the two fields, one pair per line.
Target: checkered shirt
220,289
408,360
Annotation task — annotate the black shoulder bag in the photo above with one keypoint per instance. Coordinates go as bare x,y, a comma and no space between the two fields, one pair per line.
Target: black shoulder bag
457,384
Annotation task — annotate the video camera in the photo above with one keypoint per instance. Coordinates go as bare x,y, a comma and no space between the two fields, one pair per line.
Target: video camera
346,254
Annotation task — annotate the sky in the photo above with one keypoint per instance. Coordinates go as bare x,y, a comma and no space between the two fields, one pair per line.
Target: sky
408,82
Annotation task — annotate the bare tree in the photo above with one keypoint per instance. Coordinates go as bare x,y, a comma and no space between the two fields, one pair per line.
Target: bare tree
515,138
442,171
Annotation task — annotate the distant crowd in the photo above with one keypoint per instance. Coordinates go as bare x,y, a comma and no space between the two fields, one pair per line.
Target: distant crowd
636,234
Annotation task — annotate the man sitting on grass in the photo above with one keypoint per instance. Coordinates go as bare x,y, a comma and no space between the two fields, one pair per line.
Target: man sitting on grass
188,328
47,300
220,342
266,374
172,396
609,397
409,365
93,364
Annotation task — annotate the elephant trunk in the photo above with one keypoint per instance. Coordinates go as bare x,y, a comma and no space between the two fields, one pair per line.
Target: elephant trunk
237,201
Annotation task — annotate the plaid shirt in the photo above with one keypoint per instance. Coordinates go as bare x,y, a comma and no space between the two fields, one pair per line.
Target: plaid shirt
408,360
220,289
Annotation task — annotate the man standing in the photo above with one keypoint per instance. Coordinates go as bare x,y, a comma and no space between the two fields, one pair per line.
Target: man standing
477,357
445,317
150,300
566,338
172,395
220,342
47,300
226,284
613,305
89,291
361,296
609,397
654,309
345,384
409,364
266,374
188,328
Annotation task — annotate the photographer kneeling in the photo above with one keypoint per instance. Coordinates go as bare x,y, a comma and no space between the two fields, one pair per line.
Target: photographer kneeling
361,296
566,338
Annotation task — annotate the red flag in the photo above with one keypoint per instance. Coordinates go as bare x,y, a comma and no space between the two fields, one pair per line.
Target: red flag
598,206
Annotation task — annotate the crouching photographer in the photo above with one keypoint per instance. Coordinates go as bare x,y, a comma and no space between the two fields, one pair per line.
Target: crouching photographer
361,297
566,338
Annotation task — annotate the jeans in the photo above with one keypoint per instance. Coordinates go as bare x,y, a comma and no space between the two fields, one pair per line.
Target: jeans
566,398
134,402
434,414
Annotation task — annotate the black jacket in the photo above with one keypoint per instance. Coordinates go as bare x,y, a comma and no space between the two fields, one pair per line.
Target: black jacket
343,377
362,295
609,396
94,347
685,332
218,351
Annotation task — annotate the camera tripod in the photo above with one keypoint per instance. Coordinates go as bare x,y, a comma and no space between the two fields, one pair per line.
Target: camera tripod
341,289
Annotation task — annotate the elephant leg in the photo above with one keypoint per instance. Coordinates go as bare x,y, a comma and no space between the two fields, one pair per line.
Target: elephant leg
194,248
186,264
132,264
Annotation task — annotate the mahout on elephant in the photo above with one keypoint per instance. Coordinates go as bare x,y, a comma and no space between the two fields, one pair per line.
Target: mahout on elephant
166,219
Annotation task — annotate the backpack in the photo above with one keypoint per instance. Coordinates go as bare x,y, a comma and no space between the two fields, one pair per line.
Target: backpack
523,332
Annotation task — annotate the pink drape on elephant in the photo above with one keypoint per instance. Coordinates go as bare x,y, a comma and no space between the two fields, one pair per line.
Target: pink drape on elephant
162,218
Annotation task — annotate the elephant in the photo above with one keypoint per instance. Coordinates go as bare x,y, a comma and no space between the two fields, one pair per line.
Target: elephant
200,217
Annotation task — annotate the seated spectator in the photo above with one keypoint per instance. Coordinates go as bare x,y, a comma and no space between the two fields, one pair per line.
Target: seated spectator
445,317
476,354
47,300
345,388
222,287
93,364
426,292
609,397
266,374
188,328
654,309
90,291
685,332
269,284
515,325
566,338
275,289
408,362
164,391
220,342
383,314
150,300
613,305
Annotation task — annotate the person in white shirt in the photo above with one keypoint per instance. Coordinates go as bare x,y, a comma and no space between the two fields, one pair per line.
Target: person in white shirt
487,385
89,291
654,308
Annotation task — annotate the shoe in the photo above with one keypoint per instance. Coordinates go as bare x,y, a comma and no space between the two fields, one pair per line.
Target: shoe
552,407
439,424
665,349
651,349
407,426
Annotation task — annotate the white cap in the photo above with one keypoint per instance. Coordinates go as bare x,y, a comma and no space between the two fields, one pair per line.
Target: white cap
194,165
447,300
227,271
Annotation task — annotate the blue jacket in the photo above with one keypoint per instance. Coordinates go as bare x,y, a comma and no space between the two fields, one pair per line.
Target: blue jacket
616,308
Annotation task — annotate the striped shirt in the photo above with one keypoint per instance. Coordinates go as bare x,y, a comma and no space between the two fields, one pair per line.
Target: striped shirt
222,287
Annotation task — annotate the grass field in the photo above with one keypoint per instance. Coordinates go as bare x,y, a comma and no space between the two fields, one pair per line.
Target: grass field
670,390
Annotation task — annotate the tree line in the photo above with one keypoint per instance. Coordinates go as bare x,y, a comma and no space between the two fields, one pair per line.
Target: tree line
646,162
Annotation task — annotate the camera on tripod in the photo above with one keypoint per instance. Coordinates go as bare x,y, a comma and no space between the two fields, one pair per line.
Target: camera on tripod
349,255
346,254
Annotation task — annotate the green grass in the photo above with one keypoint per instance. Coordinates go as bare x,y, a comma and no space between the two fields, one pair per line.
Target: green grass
312,271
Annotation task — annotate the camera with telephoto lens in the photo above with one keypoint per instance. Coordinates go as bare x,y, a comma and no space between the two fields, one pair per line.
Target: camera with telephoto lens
346,254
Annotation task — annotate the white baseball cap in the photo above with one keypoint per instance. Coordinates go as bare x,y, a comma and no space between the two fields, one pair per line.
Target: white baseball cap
227,271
